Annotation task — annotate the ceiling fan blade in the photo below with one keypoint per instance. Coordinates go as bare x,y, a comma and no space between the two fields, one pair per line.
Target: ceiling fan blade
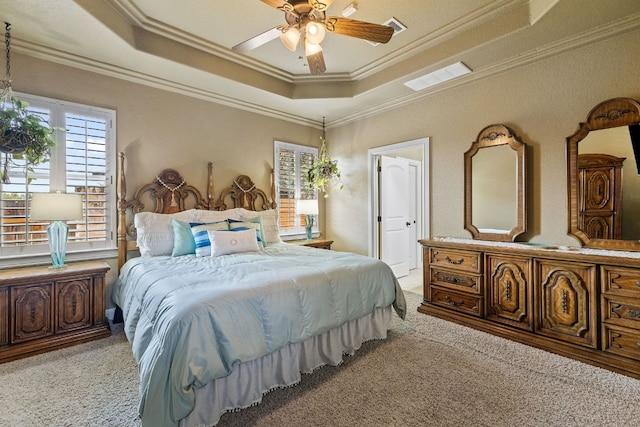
274,3
258,40
280,5
320,5
316,63
359,29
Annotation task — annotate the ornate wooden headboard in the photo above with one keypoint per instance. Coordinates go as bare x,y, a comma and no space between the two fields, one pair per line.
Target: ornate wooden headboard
169,193
244,194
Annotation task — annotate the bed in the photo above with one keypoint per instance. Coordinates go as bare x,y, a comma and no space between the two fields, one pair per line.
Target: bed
219,311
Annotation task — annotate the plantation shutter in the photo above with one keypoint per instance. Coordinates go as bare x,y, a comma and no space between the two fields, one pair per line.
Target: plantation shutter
292,165
87,174
287,189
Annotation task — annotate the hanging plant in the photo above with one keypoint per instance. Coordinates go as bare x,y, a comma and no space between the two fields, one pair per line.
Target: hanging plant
24,135
324,173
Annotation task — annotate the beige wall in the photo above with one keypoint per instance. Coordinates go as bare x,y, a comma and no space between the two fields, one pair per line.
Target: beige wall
542,102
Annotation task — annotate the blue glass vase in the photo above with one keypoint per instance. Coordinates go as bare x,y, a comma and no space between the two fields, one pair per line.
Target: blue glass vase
58,232
309,227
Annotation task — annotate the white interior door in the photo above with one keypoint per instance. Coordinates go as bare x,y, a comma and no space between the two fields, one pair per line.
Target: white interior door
412,200
394,213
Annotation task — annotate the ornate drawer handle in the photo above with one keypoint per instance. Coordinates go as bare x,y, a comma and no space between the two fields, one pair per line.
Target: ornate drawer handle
507,290
634,314
638,283
458,262
454,280
453,303
565,303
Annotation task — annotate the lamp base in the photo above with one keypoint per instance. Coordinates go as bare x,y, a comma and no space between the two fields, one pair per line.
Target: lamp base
309,227
58,233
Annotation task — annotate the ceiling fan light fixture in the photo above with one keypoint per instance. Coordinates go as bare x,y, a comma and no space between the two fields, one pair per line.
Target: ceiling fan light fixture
314,32
311,48
290,38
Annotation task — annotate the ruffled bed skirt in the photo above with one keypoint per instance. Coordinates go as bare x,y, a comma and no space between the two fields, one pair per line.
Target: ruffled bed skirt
246,385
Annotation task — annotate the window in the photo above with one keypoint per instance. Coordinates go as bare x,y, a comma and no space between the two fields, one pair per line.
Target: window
82,162
292,162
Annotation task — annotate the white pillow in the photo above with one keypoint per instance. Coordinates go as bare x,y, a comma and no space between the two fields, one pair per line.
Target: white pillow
269,223
215,216
154,233
232,242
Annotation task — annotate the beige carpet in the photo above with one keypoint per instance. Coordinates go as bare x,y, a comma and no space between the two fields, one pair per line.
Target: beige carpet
427,373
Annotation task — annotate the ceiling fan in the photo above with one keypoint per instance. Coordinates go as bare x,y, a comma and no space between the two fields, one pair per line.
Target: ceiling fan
307,20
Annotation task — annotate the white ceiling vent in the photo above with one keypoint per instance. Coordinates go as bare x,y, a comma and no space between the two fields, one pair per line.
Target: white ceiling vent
397,26
439,76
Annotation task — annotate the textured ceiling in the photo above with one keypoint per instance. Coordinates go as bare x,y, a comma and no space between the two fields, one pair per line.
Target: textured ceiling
185,46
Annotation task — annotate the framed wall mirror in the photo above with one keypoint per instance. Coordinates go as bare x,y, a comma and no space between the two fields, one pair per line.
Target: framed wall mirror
603,169
494,179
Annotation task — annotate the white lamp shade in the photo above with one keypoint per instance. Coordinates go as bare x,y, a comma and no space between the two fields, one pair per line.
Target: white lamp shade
55,207
290,38
307,207
314,32
310,48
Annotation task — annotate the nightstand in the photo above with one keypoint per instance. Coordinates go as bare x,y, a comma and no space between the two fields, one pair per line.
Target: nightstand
316,243
43,309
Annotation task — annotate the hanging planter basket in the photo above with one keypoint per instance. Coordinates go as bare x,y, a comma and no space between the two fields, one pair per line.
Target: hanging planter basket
23,135
324,173
13,141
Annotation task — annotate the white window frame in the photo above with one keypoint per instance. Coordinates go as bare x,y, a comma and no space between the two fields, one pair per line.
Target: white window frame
101,249
298,232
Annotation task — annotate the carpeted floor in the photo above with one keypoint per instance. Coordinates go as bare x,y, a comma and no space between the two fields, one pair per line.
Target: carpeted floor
427,373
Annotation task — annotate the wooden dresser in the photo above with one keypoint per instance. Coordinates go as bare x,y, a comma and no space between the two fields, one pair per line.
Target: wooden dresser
43,309
579,303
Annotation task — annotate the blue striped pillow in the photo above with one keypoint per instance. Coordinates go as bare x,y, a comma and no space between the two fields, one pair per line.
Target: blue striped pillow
201,237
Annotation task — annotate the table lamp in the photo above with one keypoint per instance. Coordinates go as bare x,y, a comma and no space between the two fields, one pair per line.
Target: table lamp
308,208
56,207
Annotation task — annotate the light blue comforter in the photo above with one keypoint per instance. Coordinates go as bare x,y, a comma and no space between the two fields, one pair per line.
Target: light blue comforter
191,320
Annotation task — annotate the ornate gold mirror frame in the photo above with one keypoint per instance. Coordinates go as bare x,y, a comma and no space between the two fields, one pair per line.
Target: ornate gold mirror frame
497,135
611,113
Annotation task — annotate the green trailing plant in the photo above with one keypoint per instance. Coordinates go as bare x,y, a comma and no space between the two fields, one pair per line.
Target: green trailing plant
324,173
24,135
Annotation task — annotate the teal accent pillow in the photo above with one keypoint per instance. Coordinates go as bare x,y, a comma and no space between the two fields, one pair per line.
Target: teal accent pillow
183,241
201,237
255,223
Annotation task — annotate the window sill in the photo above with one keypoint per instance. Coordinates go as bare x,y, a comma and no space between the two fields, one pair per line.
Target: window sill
32,260
298,236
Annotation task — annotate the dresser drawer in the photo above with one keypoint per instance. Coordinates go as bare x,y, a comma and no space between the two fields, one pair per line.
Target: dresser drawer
621,311
621,341
458,301
457,280
620,281
458,259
